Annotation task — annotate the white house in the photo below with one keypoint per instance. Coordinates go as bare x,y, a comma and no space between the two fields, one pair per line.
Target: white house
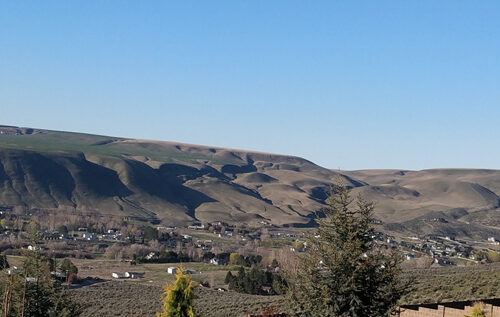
58,274
117,275
151,255
133,275
410,256
214,261
172,270
89,236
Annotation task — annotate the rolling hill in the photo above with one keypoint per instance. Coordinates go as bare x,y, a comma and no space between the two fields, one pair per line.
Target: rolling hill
454,202
177,183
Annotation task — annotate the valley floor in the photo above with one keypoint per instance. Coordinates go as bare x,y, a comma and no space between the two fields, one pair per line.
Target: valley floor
143,297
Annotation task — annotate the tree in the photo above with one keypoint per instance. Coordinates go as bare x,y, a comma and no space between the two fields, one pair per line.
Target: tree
150,233
62,229
229,277
493,256
68,268
234,258
178,297
477,311
274,264
344,273
32,291
4,264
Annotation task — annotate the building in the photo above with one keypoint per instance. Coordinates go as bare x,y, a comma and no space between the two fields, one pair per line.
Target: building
89,236
493,240
215,261
117,275
172,270
133,275
152,255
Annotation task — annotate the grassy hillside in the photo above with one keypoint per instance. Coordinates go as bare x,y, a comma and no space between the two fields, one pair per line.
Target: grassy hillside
153,180
461,202
179,183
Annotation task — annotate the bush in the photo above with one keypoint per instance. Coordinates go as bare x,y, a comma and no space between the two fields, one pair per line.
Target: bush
477,311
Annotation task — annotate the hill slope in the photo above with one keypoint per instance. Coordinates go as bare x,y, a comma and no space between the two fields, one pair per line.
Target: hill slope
180,183
172,182
461,202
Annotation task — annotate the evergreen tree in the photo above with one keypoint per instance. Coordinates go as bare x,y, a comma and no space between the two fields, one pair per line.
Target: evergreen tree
178,297
68,268
343,273
4,264
229,277
279,284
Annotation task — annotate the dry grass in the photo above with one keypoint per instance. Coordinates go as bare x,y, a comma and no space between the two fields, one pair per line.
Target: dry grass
129,298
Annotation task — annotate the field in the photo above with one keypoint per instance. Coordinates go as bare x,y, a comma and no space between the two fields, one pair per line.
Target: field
142,297
67,142
102,296
129,298
154,274
446,284
136,297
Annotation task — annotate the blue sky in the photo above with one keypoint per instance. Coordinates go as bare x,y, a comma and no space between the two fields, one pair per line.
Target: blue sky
346,84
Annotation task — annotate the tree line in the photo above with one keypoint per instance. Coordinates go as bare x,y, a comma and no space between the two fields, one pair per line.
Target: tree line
256,282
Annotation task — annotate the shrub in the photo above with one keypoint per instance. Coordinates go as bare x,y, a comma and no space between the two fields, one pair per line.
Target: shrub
477,311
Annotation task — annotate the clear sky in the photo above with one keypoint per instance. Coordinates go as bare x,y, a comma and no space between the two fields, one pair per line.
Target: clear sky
346,84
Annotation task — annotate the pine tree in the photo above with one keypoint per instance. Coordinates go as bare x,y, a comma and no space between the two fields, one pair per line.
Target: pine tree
68,268
229,277
4,264
178,297
343,273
